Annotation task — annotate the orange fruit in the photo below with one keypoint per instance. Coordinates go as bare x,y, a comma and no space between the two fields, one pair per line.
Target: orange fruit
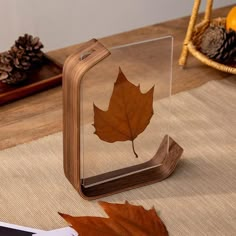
231,19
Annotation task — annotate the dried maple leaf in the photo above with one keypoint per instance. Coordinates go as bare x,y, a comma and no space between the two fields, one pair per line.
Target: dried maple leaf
124,220
128,114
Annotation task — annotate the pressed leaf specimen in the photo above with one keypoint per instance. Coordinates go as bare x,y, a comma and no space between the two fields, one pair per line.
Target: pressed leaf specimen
124,219
129,113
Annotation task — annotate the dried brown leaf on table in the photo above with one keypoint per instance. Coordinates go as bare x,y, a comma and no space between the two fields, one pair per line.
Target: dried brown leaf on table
129,112
124,220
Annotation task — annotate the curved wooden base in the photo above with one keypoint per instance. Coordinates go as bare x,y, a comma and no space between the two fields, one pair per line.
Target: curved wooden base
158,168
161,166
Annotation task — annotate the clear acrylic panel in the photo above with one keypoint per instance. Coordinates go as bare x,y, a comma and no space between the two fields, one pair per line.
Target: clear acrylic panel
125,109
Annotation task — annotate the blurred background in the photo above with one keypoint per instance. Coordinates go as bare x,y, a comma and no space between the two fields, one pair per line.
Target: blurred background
60,23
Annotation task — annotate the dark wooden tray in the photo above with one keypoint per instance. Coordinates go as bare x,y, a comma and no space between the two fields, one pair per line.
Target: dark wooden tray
48,75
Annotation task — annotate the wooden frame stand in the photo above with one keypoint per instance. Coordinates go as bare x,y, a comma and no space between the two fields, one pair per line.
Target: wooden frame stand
158,168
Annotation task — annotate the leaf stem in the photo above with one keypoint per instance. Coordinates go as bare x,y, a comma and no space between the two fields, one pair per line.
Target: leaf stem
135,153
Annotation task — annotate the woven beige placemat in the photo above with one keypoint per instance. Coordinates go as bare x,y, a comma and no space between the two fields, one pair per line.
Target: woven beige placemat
198,199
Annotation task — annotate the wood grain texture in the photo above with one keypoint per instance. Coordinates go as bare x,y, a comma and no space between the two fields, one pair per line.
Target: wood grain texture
73,71
41,114
160,167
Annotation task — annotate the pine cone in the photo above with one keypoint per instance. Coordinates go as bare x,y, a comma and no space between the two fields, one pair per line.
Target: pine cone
218,44
23,55
5,62
26,52
5,65
15,77
230,44
8,73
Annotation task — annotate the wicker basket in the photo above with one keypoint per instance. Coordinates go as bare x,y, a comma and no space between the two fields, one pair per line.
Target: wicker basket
194,35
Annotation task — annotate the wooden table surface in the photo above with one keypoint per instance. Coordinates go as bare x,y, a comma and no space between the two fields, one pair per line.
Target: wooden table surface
41,114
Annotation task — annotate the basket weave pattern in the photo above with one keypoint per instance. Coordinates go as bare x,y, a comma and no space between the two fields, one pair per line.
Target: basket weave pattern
194,34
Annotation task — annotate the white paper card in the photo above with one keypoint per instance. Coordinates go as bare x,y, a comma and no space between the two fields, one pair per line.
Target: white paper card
59,232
